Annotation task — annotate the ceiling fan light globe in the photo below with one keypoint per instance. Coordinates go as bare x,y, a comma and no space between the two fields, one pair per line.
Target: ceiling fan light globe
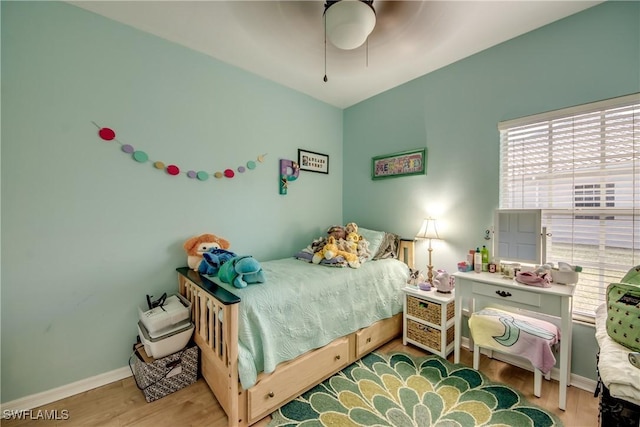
347,36
349,23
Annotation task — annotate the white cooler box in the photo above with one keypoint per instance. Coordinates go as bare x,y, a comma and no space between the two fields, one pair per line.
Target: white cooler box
172,339
161,320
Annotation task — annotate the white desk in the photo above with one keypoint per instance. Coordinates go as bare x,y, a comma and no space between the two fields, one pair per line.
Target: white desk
477,290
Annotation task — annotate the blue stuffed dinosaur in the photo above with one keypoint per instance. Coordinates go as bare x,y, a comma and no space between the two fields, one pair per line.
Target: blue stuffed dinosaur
241,271
213,259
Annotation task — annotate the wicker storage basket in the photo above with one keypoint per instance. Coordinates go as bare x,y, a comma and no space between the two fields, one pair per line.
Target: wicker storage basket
426,335
428,311
451,311
160,377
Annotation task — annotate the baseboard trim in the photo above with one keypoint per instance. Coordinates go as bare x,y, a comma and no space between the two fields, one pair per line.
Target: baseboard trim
575,380
49,396
46,397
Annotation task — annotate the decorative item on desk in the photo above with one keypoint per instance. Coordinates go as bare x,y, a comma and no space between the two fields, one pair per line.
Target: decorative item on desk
485,258
443,282
477,261
429,231
424,286
532,279
565,274
492,266
415,277
464,266
470,257
544,269
509,270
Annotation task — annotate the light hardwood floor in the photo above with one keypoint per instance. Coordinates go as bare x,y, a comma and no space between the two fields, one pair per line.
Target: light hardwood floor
122,404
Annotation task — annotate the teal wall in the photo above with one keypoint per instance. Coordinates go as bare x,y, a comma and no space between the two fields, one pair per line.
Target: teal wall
454,112
86,231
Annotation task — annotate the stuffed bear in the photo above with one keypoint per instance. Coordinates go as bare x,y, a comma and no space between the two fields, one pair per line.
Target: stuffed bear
352,227
198,245
213,259
352,242
241,271
337,231
330,250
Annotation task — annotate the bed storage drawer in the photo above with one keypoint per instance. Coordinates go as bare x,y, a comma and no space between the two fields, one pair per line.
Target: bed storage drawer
377,334
293,378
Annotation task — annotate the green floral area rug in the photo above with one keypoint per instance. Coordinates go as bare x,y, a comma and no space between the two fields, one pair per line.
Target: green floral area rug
399,390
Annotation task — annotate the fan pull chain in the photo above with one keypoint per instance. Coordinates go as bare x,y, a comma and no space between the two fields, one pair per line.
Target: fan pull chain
325,49
367,54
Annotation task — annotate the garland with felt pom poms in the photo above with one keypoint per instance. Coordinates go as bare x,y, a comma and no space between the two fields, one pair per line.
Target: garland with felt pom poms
107,134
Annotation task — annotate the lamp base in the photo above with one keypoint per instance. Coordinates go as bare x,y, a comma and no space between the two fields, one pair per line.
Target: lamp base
430,267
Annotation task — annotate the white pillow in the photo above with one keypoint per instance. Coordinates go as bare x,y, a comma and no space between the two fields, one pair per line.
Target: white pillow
374,238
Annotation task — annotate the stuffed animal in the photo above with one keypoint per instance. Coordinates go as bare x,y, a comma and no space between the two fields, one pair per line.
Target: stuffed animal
317,244
351,244
337,231
198,245
352,227
343,245
414,277
319,255
330,250
213,259
363,249
241,271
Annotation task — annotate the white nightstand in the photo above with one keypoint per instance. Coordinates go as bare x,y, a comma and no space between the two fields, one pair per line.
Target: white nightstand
428,320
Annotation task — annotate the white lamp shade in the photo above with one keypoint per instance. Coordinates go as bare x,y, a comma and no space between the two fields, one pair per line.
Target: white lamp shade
428,230
349,23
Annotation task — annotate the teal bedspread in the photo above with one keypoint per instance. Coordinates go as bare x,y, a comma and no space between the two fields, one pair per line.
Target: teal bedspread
305,306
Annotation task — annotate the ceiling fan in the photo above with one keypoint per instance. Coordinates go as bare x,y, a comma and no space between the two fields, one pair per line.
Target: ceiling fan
348,24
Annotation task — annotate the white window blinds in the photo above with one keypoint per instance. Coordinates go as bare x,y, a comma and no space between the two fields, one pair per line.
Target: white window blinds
581,166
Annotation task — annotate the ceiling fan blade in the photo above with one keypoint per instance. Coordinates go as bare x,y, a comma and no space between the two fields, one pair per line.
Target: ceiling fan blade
393,17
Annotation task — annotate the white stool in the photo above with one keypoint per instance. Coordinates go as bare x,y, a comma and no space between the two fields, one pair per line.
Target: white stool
511,333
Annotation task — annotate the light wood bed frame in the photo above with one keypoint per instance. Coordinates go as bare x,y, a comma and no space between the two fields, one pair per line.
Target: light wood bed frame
214,312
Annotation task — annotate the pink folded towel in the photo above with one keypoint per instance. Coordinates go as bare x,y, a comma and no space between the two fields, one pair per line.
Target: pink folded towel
532,279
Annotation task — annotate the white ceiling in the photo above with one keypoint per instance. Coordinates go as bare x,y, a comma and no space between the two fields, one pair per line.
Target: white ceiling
283,41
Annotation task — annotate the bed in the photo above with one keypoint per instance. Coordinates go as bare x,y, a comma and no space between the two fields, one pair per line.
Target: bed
264,345
618,380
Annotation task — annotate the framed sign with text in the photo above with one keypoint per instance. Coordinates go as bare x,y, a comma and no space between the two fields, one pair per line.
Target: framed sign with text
404,163
313,162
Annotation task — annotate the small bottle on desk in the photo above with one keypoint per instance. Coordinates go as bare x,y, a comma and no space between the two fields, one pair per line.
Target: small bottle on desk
485,258
493,266
470,257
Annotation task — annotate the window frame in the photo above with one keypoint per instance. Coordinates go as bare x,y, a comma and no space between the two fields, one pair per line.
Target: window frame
588,201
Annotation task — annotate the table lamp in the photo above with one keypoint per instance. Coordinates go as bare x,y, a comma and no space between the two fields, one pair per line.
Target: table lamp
429,231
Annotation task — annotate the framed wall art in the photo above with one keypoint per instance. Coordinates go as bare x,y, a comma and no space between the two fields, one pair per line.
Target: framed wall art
313,162
404,163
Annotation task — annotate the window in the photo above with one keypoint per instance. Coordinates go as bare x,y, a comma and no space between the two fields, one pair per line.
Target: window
581,167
